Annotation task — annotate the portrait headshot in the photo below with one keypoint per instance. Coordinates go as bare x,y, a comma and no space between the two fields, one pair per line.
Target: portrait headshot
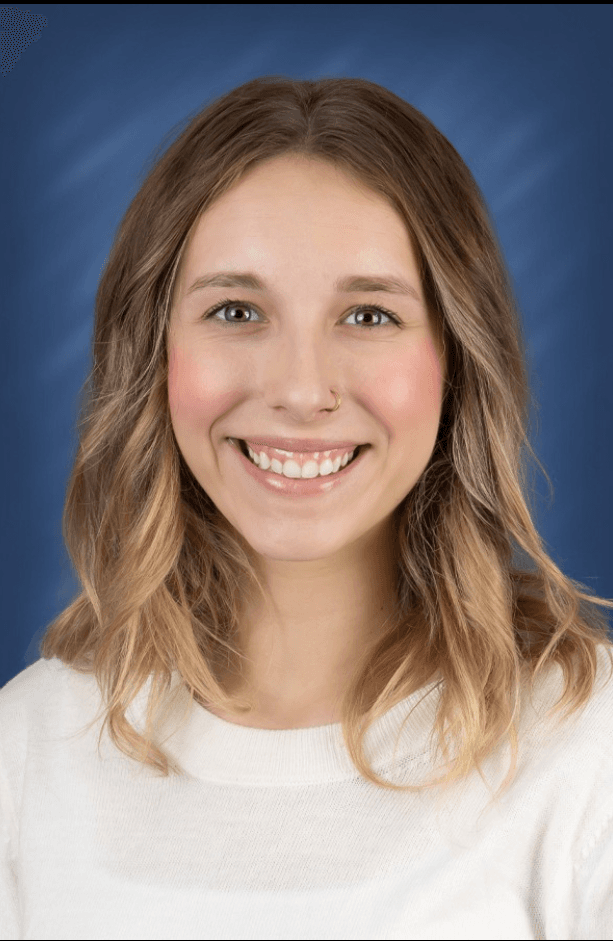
305,302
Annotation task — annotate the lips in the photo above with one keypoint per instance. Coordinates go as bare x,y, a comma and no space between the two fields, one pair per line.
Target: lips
307,445
293,486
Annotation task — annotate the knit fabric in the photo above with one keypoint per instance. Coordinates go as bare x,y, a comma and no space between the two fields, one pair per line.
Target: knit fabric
274,835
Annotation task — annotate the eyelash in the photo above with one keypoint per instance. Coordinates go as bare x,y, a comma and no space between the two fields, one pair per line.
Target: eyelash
228,302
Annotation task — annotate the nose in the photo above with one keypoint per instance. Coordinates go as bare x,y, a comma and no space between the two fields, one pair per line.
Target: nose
300,378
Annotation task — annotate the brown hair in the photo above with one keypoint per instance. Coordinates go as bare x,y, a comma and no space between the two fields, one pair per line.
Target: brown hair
162,572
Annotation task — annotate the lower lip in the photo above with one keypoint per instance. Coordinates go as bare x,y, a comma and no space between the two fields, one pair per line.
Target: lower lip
295,486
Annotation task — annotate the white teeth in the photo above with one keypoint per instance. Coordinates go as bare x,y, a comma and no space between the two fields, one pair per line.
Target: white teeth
291,468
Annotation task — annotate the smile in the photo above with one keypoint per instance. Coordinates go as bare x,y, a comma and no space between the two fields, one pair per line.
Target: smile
299,474
299,464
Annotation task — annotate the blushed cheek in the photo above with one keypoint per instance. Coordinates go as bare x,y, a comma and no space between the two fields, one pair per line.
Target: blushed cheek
176,379
407,391
198,394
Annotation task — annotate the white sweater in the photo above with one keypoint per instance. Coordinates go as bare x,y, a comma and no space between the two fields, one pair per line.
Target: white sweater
273,835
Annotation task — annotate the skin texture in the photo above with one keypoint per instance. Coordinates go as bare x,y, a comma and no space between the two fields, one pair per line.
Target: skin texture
327,561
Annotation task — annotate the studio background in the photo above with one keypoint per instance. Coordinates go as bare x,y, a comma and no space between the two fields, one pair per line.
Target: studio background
90,91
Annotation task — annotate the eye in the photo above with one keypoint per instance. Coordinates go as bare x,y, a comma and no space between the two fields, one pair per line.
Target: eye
230,305
243,306
370,309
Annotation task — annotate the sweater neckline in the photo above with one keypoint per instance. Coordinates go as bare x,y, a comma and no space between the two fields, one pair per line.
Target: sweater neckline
209,747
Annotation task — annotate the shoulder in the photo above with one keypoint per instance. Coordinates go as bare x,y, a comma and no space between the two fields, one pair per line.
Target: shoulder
29,690
568,759
45,699
589,726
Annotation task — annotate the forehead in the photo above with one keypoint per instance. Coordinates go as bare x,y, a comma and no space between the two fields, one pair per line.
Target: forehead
297,208
302,178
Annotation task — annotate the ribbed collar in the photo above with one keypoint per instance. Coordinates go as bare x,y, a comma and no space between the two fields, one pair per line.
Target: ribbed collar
216,750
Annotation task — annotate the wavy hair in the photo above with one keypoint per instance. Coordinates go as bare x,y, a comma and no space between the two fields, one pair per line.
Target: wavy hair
162,571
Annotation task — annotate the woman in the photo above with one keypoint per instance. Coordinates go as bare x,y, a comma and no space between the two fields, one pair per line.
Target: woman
295,512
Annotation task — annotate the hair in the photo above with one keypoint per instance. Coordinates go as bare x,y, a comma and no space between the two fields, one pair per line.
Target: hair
163,572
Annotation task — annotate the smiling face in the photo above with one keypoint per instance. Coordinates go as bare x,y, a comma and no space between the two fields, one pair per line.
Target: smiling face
300,226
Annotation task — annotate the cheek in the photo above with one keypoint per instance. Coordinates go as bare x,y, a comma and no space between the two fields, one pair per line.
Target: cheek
197,395
407,389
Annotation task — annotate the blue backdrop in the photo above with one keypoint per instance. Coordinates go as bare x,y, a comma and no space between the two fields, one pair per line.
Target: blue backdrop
89,91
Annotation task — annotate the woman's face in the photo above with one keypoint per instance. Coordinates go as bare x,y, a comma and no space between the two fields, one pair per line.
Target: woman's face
266,367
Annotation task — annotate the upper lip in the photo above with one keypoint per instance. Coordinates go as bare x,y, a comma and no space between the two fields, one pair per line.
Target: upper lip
299,444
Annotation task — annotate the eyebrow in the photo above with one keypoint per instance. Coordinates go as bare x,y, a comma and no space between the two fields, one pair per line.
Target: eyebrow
350,284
